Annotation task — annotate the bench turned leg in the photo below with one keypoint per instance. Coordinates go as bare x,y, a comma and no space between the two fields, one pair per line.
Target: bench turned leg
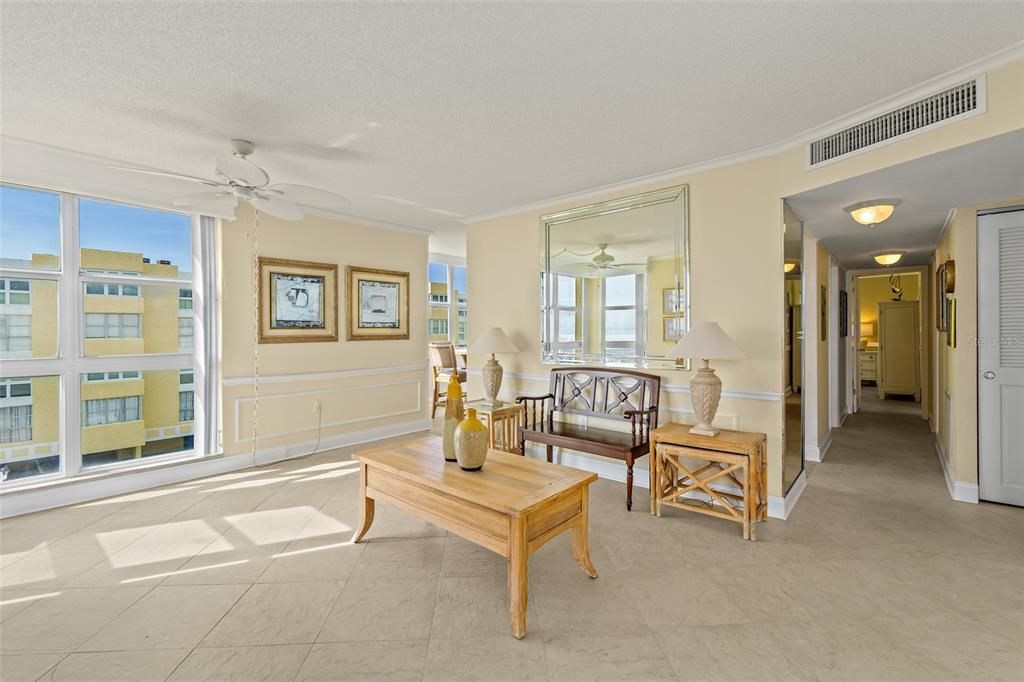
550,450
629,484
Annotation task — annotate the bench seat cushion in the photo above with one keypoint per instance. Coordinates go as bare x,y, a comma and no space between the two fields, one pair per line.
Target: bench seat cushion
590,439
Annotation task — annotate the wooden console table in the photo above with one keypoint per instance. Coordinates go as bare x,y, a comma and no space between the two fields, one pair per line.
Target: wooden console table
683,463
512,506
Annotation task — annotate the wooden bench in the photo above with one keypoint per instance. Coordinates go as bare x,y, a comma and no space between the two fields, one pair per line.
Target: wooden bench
594,393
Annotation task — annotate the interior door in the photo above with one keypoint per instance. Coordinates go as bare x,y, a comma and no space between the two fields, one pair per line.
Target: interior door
1001,357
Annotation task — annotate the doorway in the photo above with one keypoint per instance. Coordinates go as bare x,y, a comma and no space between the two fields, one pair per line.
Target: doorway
888,364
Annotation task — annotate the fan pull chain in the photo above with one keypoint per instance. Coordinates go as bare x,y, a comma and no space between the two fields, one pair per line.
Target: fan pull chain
256,331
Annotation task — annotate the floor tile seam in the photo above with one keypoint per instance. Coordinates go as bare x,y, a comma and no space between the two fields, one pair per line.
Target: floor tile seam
53,667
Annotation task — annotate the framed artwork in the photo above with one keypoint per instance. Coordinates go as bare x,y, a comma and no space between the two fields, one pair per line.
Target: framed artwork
672,328
671,301
951,319
824,313
844,322
941,320
378,304
298,301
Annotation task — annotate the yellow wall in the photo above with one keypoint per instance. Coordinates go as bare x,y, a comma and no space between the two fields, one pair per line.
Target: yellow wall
874,290
350,403
736,246
160,401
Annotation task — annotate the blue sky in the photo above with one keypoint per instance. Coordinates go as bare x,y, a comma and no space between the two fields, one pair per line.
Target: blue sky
30,223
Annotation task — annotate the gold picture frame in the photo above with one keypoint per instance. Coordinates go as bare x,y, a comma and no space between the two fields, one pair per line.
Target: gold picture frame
671,301
298,301
951,332
377,307
672,328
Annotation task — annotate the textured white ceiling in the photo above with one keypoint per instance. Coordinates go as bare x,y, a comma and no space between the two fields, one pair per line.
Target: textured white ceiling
929,187
464,108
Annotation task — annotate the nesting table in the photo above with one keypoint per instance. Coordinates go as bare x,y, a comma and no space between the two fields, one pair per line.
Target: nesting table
725,476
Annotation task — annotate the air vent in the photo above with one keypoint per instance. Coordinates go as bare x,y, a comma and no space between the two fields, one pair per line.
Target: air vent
955,102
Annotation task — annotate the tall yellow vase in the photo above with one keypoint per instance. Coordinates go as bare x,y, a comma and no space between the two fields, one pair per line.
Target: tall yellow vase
453,414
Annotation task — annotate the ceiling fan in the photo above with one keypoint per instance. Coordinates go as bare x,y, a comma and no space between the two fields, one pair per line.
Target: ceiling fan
240,178
603,265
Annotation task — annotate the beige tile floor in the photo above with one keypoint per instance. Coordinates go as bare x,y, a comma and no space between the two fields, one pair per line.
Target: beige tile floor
876,576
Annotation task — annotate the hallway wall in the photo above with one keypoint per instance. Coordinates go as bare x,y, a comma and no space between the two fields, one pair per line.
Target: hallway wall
956,405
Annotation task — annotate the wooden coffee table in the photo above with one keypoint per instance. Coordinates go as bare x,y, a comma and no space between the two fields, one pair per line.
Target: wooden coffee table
512,506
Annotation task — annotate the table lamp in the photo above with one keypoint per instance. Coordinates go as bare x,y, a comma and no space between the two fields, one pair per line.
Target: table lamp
706,341
493,341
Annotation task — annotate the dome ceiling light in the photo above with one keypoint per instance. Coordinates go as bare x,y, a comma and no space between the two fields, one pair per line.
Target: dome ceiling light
873,211
890,258
788,266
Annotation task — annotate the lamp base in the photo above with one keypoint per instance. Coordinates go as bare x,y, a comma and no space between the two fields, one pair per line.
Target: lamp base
491,374
705,393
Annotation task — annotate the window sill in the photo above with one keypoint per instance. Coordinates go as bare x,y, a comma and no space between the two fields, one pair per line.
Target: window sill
112,471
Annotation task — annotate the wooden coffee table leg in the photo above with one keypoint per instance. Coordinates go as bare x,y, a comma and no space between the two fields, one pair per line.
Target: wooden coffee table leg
581,539
368,507
517,577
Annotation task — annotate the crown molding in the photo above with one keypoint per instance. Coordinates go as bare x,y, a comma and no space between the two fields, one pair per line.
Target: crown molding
973,69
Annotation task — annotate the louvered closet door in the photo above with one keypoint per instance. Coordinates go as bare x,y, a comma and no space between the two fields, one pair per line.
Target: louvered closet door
1001,357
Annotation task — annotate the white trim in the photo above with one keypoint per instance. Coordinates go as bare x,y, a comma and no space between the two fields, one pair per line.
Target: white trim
323,376
834,342
769,396
446,259
959,491
87,487
418,383
816,453
975,69
782,507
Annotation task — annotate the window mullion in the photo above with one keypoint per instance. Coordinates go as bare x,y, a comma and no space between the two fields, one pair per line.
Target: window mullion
70,332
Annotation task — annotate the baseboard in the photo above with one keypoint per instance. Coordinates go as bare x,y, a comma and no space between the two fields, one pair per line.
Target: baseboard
842,418
959,491
817,453
781,507
65,492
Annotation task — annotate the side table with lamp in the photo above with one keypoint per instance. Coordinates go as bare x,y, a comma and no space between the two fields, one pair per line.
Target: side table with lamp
502,419
702,468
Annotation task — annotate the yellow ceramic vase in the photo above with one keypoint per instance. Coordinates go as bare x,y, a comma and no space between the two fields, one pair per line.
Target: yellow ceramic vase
471,442
453,414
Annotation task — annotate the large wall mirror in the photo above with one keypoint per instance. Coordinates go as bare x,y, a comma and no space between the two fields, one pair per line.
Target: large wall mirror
615,289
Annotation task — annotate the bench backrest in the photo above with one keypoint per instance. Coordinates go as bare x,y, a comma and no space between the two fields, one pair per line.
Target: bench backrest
603,392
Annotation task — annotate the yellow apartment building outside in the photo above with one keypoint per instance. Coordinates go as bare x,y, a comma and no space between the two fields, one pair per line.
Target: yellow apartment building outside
125,415
437,318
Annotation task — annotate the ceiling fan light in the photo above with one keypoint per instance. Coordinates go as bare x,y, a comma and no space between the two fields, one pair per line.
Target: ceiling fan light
873,211
888,258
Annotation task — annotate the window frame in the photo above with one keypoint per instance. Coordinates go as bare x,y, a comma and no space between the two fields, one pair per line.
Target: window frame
71,363
456,313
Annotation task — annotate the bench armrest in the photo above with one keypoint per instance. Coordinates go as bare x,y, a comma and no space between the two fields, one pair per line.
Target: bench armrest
641,422
532,416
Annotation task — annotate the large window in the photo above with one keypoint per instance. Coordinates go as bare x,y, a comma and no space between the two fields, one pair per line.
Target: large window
622,320
105,388
447,306
568,322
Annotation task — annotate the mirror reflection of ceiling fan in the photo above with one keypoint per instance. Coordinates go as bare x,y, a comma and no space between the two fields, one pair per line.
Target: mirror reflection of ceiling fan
602,265
240,178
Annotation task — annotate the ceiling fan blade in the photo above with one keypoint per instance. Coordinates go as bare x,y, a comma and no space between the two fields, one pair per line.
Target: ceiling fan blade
164,174
279,208
242,171
205,198
310,196
576,269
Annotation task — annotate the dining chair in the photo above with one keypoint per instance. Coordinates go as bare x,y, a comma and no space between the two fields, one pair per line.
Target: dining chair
444,365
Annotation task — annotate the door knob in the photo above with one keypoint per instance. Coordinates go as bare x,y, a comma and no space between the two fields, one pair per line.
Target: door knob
989,374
